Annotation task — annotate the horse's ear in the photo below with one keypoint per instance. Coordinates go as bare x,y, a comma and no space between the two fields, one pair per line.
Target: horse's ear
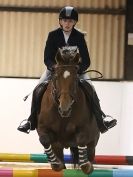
58,57
77,59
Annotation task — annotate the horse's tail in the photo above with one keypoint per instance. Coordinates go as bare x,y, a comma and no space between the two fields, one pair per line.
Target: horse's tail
75,155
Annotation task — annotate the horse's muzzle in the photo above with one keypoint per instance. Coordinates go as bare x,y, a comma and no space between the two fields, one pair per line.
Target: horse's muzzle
65,113
65,109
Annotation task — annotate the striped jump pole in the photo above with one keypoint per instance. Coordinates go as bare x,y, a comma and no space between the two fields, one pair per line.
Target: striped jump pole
64,173
42,158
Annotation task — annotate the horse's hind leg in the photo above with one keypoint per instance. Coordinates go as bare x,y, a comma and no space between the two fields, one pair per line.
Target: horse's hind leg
56,164
91,151
75,155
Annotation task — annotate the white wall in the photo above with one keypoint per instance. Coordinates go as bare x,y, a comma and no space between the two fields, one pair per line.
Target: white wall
116,100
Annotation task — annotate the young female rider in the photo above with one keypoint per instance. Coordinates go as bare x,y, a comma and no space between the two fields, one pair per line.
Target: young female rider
66,34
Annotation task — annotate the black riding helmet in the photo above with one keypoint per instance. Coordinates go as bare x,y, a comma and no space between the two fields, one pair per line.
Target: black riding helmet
68,12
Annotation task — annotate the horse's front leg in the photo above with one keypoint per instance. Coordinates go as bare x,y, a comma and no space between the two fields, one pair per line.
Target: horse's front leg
84,162
58,151
56,164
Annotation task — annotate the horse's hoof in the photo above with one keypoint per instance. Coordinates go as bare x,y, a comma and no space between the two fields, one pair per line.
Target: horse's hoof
57,166
87,168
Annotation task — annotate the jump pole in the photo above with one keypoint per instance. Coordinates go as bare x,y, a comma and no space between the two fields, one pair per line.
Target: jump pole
64,173
42,158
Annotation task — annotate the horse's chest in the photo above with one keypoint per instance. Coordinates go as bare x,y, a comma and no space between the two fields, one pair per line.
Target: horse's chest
63,127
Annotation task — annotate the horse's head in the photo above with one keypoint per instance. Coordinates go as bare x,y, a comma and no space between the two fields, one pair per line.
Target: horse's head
65,79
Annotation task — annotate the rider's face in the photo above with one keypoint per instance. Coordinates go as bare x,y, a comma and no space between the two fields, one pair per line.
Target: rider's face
67,24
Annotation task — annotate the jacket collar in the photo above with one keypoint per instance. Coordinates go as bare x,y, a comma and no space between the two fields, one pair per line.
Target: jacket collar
62,35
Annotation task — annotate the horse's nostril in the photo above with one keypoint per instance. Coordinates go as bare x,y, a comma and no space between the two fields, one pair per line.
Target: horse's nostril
59,109
64,113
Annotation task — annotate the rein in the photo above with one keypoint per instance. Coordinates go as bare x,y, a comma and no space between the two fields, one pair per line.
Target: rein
88,71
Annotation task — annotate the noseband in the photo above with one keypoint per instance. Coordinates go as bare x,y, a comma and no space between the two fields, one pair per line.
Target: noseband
55,92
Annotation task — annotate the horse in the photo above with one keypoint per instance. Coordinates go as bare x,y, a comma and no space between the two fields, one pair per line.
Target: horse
65,119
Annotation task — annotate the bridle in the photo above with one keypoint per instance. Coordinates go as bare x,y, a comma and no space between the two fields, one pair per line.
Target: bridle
56,93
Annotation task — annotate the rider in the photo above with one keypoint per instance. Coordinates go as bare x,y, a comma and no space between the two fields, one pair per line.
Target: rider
66,34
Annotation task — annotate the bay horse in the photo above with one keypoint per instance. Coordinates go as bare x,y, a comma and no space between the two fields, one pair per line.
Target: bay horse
66,119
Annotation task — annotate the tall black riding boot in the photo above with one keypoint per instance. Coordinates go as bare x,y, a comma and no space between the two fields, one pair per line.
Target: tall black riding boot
100,116
31,122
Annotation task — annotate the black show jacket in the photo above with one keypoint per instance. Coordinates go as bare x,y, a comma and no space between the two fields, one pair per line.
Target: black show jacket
56,40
